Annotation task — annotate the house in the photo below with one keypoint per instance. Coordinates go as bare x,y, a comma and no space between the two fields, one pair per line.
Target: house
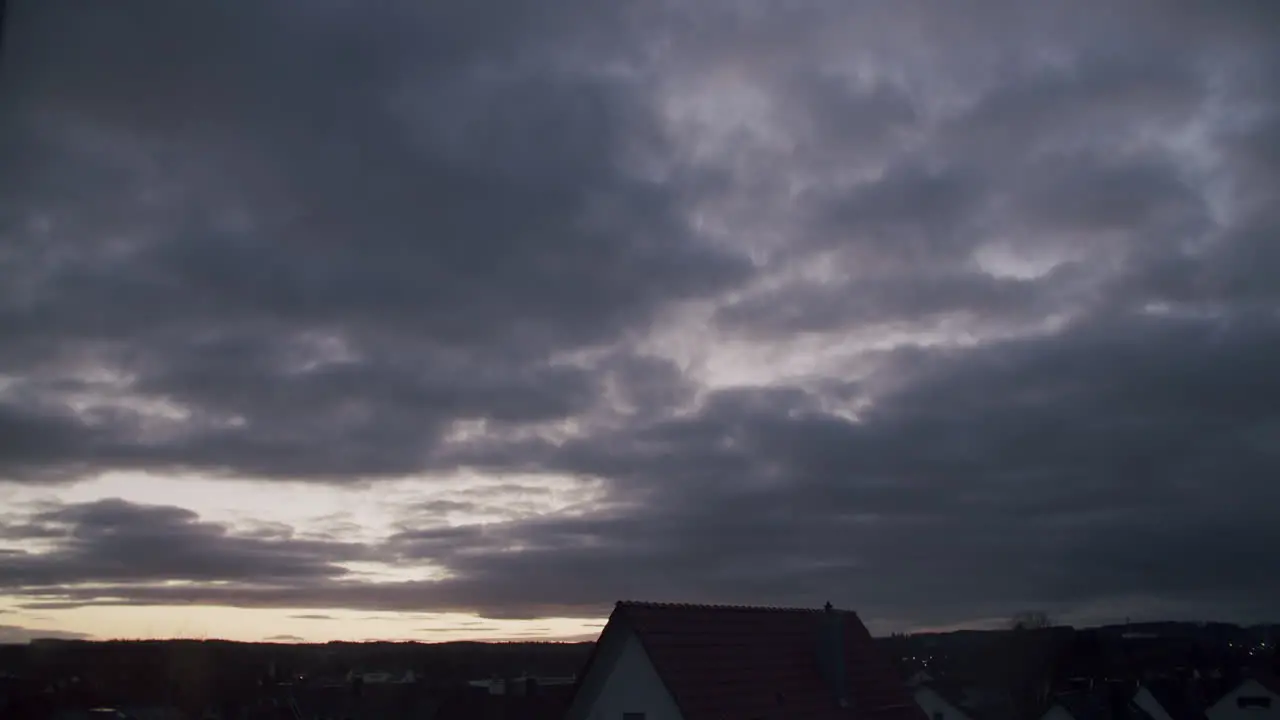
1255,698
940,704
918,678
537,703
382,701
1172,698
521,685
657,661
1105,702
408,677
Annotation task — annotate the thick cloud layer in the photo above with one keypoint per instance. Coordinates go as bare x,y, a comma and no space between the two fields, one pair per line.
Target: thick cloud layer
308,230
939,313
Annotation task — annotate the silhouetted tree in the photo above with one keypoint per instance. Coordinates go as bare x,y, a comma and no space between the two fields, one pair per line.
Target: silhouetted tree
1032,662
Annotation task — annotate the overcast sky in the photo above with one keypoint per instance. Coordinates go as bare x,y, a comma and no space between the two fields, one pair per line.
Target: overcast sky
427,320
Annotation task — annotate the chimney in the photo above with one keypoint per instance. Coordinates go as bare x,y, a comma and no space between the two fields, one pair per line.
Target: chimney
831,653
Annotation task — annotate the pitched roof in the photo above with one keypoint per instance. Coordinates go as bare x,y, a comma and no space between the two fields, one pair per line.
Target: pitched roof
1225,686
1101,703
1085,704
1180,698
953,696
725,662
1266,680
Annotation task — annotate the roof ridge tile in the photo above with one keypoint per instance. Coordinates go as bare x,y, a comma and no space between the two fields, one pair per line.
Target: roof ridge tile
716,606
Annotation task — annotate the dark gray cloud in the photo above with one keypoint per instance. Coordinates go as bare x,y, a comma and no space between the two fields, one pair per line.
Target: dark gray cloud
324,234
1090,467
325,245
19,634
113,541
1048,472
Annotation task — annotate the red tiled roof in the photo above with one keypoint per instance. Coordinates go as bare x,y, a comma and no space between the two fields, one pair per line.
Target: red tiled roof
748,663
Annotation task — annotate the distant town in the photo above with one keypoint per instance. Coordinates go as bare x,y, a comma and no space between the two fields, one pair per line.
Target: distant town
682,662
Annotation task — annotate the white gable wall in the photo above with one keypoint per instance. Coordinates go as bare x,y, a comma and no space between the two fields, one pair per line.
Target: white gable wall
1228,707
936,707
1145,700
920,678
630,685
1057,712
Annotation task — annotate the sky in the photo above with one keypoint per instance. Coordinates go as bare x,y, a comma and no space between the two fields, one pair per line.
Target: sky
323,319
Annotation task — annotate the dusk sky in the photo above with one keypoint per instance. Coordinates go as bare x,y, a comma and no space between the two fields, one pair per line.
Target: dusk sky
340,319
